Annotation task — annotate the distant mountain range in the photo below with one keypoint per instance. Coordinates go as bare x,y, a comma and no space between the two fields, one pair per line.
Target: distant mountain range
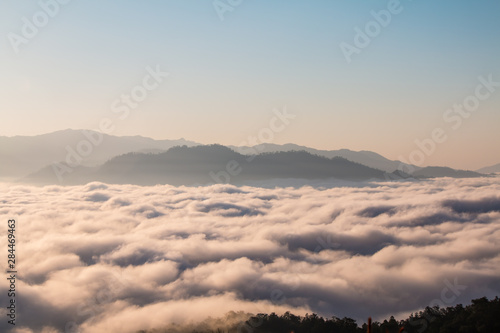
202,165
144,161
364,157
435,172
22,155
491,169
205,165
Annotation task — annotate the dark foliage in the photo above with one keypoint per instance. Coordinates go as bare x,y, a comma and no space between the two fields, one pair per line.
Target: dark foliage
482,316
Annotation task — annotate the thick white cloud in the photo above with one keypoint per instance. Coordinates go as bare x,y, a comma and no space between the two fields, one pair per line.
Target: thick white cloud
120,258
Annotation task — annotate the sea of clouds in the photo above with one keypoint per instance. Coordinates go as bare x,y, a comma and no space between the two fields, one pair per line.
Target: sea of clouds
120,258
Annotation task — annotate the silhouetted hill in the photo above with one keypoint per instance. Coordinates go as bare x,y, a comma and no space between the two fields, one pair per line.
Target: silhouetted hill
491,169
29,156
46,176
202,165
301,164
177,166
22,155
364,157
212,164
434,172
216,163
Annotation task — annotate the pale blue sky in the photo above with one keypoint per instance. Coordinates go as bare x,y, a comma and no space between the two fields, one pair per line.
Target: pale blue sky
227,76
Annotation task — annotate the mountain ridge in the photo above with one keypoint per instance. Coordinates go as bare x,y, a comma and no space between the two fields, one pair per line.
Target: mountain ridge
27,155
490,169
210,164
205,164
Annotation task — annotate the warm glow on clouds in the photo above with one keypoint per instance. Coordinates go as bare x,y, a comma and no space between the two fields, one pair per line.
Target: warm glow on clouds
120,258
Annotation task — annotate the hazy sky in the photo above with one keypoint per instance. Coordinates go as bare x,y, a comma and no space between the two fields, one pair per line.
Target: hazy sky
226,76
